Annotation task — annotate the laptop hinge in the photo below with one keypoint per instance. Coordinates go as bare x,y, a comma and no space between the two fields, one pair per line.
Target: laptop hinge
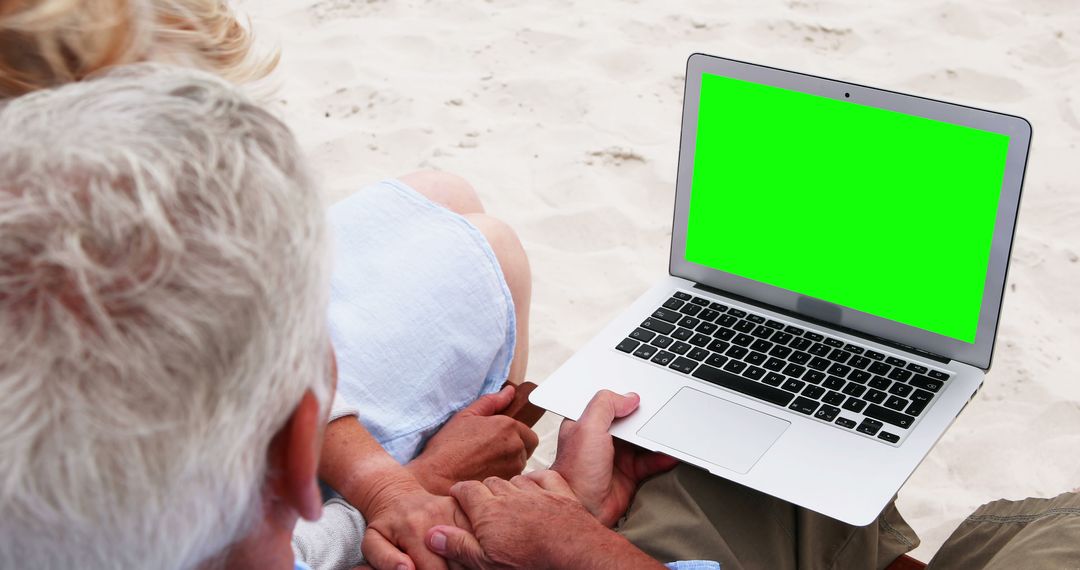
924,353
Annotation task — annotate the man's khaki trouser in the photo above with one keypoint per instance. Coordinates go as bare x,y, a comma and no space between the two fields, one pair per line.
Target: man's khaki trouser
687,514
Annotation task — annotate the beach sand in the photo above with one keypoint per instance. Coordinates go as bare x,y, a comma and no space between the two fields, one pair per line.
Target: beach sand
565,116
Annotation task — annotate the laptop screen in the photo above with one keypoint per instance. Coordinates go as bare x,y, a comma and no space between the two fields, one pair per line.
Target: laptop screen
871,209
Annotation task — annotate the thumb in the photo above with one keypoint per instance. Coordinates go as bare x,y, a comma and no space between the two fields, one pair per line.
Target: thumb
606,406
491,404
457,545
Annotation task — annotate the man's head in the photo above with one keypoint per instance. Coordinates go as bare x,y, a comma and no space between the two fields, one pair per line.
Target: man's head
163,284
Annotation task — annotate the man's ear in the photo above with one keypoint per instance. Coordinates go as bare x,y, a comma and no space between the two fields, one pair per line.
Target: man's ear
294,460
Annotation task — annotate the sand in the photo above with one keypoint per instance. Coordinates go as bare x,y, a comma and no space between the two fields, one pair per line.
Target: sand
565,116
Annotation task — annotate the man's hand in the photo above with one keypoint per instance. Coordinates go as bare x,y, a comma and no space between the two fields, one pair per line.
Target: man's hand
520,524
475,444
604,473
398,517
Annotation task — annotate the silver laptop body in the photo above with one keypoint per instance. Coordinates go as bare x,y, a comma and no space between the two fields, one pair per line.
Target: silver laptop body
759,382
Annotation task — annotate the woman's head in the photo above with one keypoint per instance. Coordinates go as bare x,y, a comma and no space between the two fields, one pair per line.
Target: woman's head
45,43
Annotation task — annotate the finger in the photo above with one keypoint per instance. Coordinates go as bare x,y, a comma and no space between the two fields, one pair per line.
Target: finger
470,495
380,553
524,483
528,437
605,406
549,480
457,546
498,485
492,404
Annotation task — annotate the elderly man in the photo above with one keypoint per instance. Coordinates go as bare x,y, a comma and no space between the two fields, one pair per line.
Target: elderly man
167,370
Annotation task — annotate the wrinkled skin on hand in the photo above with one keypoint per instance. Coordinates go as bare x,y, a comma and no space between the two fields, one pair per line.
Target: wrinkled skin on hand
603,472
401,515
519,524
475,443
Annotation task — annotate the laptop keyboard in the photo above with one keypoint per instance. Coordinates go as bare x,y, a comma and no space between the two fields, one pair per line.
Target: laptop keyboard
840,383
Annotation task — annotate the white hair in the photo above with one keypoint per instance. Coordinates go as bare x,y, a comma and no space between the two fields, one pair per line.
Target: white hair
163,284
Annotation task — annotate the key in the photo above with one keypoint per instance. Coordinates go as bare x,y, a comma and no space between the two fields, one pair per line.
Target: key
859,362
899,374
718,307
839,355
874,355
755,357
835,343
735,366
683,296
869,427
815,392
689,322
742,339
642,335
663,358
834,398
875,396
896,361
896,403
754,373
917,368
780,352
656,325
827,413
690,310
718,346
698,354
756,319
736,352
706,328
666,315
774,364
628,345
920,381
761,345
804,406
773,379
938,375
708,315
683,334
853,349
673,304
645,351
661,341
840,370
793,385
844,422
854,404
900,389
854,389
860,376
891,438
794,370
680,347
814,377
793,330
889,416
684,365
716,360
700,301
699,340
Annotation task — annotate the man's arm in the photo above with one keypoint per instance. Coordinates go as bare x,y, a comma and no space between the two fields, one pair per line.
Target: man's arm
556,533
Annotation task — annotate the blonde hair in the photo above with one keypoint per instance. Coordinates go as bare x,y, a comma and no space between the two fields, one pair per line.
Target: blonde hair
163,288
45,43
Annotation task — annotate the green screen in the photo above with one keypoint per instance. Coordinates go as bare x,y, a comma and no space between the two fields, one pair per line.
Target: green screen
870,209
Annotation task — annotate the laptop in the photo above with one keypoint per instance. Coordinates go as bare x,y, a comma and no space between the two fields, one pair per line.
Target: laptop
838,260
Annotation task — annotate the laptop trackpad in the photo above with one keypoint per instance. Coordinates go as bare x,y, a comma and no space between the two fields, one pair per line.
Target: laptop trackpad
714,429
